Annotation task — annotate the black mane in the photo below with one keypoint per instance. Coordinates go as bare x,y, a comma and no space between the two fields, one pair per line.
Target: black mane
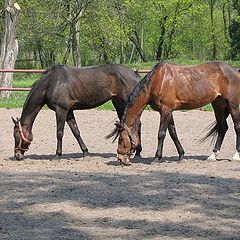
137,90
146,80
43,77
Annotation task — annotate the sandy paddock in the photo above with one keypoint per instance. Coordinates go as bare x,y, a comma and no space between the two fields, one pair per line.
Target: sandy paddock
96,198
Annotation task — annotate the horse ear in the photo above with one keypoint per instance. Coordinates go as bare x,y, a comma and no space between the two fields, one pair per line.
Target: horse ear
133,139
14,121
118,125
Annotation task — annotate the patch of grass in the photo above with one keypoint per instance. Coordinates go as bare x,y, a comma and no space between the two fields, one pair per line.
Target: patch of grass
106,106
208,108
17,99
25,79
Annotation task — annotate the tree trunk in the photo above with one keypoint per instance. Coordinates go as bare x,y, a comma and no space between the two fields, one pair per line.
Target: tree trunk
214,44
161,38
75,44
9,44
226,26
134,38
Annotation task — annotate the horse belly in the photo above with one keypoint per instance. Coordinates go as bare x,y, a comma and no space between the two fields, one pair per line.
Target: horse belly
192,102
91,99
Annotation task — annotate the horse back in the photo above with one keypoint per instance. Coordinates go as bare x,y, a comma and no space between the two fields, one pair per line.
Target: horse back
189,87
90,86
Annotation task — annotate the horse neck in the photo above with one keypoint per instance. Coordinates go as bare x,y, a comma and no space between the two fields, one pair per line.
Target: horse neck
135,109
30,110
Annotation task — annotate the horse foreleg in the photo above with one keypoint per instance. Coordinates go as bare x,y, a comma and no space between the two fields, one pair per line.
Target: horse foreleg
75,130
221,113
164,122
173,135
139,147
60,118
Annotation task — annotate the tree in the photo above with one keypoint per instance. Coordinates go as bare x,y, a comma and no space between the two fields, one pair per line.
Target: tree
9,44
235,32
90,32
74,12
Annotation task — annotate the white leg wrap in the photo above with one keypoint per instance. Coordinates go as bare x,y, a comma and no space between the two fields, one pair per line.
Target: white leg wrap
236,156
213,156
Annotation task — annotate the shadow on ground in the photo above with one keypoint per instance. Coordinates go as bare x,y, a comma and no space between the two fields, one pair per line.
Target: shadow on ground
80,205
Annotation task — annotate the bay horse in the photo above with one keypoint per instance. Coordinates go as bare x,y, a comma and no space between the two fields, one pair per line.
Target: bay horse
65,89
170,87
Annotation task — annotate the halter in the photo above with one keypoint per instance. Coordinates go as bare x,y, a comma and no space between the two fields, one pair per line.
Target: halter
23,138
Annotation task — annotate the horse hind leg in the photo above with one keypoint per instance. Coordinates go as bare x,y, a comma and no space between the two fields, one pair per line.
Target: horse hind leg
221,113
235,114
74,128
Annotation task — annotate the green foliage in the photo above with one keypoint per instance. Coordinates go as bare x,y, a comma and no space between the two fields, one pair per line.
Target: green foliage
235,32
106,29
181,29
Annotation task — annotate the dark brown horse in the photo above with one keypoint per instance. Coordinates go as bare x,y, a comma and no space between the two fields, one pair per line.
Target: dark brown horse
170,87
65,89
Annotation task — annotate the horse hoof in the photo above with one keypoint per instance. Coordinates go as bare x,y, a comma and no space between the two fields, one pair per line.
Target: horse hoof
138,155
212,157
180,158
157,160
236,157
55,158
86,154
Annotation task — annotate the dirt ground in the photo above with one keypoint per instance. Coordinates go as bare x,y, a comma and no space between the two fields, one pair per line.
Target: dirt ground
96,198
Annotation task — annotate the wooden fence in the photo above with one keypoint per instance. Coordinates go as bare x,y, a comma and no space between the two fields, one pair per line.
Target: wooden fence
38,71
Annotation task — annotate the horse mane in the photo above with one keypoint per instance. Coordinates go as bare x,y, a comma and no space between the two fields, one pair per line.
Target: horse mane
44,76
146,80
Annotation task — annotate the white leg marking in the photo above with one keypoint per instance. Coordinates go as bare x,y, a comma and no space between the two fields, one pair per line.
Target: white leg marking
236,156
213,156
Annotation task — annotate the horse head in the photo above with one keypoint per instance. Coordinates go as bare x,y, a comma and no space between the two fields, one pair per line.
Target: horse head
21,142
127,143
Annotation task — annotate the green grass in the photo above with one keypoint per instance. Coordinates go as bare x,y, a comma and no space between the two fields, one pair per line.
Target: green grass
17,99
106,106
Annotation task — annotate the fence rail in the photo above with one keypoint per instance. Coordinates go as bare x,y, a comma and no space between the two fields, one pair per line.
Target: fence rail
14,89
23,70
8,70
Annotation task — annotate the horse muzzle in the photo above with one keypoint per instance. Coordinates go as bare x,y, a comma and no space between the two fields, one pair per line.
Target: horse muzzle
18,155
124,159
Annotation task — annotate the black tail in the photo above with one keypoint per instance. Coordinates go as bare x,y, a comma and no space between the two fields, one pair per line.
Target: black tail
212,131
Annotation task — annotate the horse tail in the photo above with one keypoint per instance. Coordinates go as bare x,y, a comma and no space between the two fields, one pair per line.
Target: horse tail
212,131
